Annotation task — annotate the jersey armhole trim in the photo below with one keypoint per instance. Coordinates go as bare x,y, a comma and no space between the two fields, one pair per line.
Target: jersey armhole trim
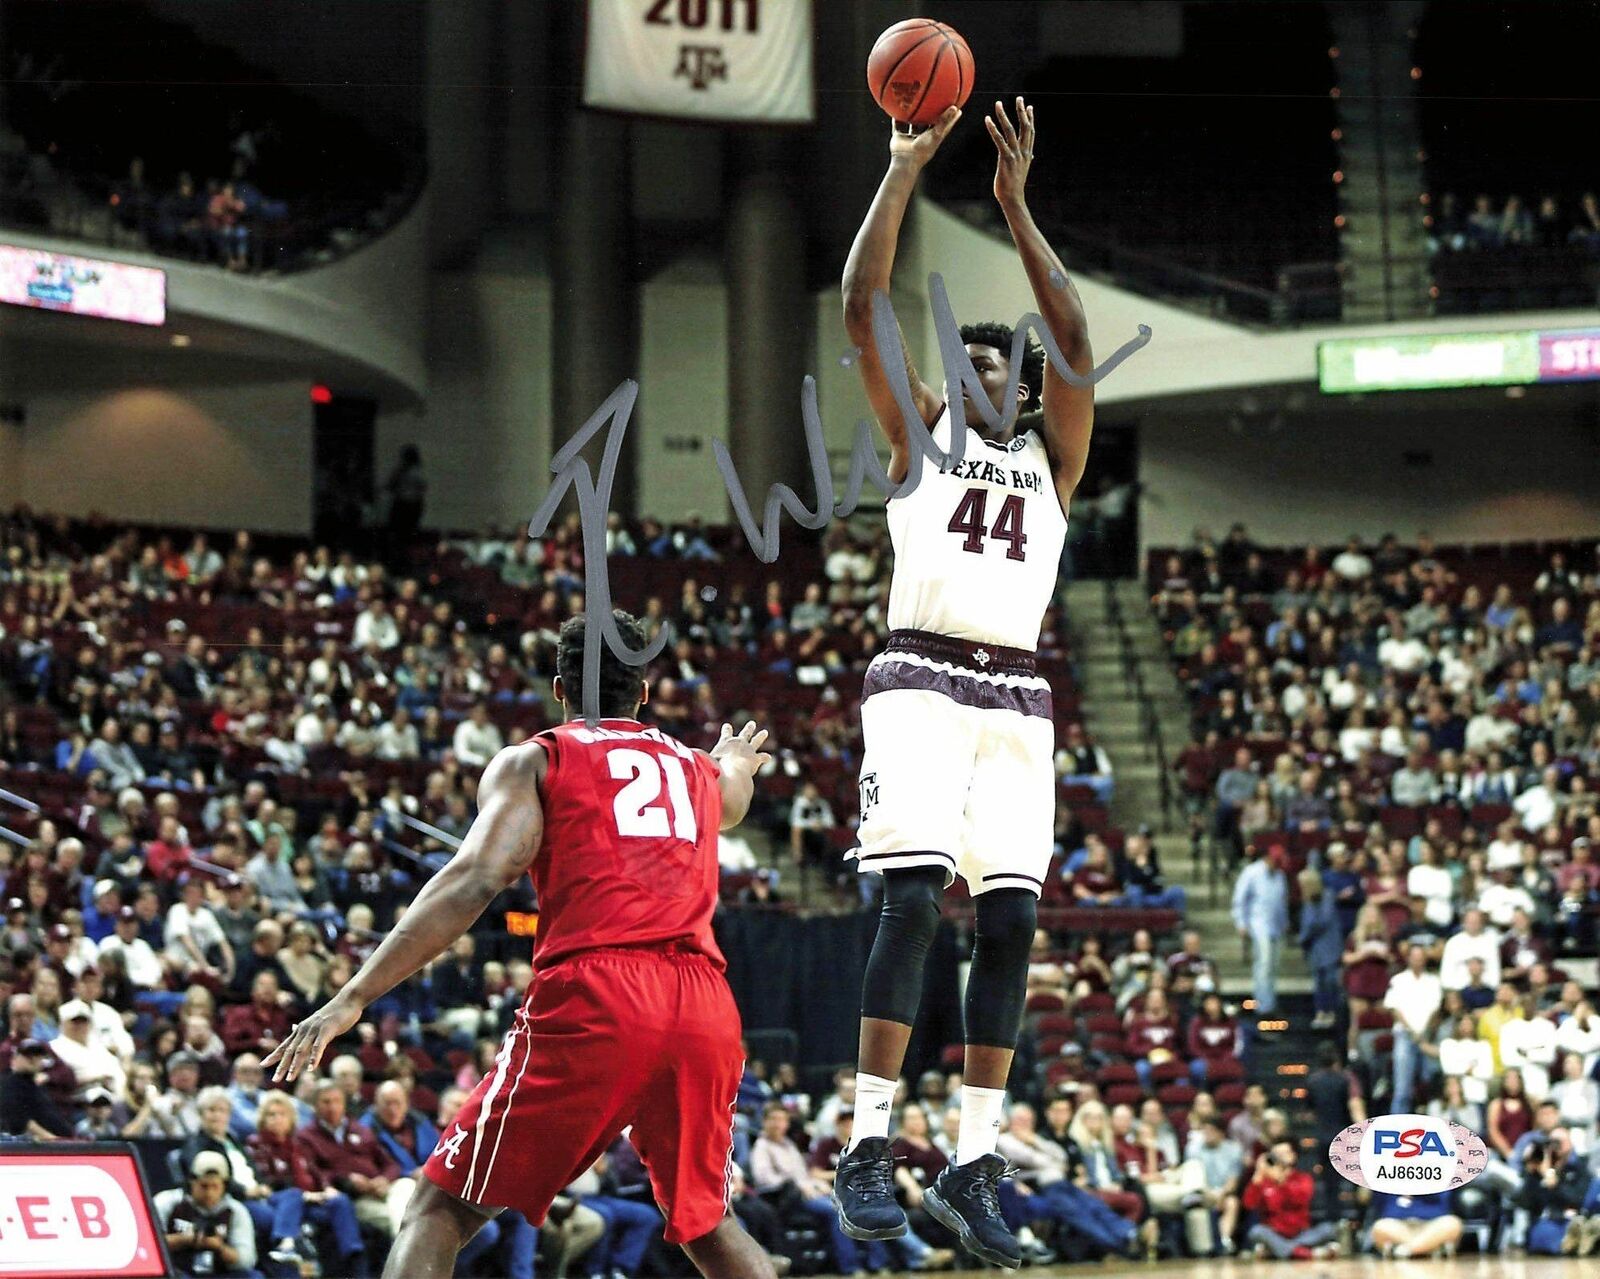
550,741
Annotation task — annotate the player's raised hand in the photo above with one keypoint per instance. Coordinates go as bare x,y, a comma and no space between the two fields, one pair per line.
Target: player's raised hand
919,147
1015,145
741,750
310,1039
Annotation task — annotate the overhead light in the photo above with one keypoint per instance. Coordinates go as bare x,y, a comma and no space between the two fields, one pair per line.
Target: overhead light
181,339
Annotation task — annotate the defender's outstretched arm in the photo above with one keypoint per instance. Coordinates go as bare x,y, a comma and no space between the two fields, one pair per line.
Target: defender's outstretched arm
1068,409
501,845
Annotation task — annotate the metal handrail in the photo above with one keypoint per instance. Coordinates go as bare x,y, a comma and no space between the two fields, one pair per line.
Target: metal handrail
19,801
433,832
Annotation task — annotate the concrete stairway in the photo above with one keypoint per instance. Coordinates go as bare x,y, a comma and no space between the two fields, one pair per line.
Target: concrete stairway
1113,663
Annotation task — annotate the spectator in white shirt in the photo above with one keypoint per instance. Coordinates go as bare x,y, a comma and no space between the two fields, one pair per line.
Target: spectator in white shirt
1431,882
1474,941
1463,1056
477,740
1413,997
1536,806
196,944
734,854
309,729
108,1029
810,818
397,737
1501,900
375,627
1352,563
1414,785
1580,1033
138,959
1528,1044
1505,849
92,1065
1403,653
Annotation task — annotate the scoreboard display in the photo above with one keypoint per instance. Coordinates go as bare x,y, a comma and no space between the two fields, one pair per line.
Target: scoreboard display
82,286
1415,363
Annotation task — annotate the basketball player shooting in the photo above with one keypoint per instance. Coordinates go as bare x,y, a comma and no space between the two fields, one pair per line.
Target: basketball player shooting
628,1020
957,775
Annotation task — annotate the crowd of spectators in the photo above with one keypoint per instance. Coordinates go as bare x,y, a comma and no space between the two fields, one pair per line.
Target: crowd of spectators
1513,224
1402,744
204,831
216,222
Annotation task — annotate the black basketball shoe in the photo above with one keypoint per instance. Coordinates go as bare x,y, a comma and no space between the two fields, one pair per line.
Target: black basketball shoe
863,1192
967,1200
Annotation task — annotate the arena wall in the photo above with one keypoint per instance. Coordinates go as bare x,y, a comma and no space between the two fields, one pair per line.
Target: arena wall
1511,473
239,456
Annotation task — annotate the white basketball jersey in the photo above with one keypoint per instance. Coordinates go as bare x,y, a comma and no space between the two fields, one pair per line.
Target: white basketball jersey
977,547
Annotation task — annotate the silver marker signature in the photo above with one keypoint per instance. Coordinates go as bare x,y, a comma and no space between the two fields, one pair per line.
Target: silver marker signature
594,498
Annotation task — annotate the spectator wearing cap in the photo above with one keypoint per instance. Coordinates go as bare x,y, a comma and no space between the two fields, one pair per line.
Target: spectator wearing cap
208,1232
100,919
26,1107
92,1065
139,961
98,1122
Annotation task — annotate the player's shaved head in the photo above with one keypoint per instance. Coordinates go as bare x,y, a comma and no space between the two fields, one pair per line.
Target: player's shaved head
622,686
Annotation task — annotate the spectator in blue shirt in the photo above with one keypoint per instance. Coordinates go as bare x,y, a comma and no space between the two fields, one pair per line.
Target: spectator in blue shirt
1414,1225
1261,914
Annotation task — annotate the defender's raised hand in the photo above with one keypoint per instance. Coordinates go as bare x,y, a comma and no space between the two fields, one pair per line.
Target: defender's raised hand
919,147
1015,145
742,750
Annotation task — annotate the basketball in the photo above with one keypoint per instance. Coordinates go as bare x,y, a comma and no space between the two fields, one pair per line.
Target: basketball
918,68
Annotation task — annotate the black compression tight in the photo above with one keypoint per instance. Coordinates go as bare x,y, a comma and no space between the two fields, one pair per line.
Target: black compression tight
997,984
893,985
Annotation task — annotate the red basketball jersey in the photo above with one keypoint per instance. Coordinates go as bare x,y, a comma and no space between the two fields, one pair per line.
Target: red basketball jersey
629,856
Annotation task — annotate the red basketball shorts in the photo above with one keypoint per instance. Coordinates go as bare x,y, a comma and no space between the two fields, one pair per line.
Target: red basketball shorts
606,1040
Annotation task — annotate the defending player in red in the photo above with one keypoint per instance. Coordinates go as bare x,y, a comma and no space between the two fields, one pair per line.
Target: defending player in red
629,1020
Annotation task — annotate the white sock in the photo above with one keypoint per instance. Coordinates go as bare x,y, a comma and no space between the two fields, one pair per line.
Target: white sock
874,1105
981,1111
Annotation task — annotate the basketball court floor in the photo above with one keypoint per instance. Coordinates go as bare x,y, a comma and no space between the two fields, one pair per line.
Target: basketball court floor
1461,1267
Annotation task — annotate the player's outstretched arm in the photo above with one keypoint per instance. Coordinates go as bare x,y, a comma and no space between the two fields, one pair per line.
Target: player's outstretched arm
868,270
739,758
499,848
1068,409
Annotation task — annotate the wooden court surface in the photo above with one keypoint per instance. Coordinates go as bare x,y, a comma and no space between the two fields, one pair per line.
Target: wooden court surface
1471,1266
